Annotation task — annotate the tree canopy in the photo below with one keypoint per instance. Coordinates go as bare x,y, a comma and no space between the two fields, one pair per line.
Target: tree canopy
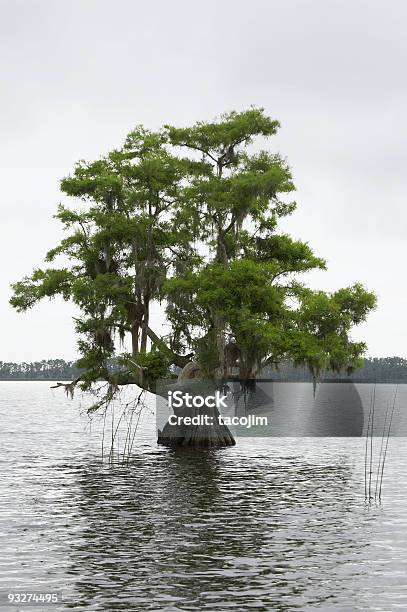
188,218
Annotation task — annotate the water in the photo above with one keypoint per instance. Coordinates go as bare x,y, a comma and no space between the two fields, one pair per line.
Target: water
271,524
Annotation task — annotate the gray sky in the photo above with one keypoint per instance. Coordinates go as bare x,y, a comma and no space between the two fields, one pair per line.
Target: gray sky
77,75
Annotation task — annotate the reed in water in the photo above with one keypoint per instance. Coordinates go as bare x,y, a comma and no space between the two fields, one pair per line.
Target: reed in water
384,444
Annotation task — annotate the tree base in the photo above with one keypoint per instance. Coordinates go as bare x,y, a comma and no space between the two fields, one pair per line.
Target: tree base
209,434
198,436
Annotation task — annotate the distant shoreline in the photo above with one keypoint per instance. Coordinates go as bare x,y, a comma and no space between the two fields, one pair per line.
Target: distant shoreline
385,370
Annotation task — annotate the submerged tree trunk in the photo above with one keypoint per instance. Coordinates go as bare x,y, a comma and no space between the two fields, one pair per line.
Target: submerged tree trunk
198,427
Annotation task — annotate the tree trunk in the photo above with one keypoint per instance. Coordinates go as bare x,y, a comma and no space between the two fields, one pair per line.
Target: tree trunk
208,433
220,346
219,323
144,328
134,339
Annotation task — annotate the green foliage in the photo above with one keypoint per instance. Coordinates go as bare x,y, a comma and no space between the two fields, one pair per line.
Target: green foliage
154,365
322,324
42,283
230,131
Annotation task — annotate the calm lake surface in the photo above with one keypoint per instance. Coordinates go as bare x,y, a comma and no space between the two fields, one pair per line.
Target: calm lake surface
275,523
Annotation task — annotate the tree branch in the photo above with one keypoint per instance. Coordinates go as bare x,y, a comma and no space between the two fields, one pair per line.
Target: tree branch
178,360
184,144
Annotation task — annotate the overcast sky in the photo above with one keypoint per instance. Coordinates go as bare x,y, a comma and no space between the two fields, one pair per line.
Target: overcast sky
77,75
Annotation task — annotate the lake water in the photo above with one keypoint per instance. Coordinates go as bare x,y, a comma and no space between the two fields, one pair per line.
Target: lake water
274,523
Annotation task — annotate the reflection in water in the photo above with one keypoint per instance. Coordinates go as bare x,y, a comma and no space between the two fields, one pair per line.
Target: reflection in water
196,529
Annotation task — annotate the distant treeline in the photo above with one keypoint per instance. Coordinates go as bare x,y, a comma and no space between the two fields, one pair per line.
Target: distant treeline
47,369
378,369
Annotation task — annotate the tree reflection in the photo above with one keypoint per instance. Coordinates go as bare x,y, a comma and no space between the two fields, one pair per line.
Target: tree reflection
191,528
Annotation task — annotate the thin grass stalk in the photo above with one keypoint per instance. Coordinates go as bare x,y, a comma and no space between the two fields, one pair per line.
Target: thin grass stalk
103,432
381,450
367,442
128,435
387,442
135,428
139,402
371,444
112,437
134,435
115,435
